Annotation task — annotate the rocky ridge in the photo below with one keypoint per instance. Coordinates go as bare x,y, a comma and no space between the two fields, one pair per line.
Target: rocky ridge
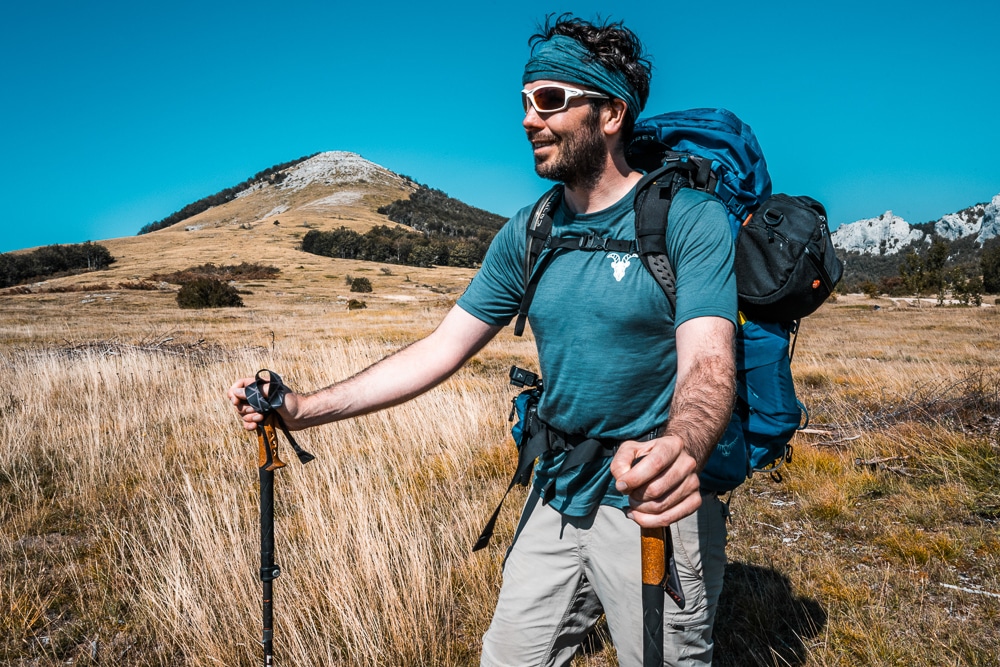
888,234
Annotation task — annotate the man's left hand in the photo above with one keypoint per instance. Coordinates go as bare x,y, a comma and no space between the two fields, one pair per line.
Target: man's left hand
663,487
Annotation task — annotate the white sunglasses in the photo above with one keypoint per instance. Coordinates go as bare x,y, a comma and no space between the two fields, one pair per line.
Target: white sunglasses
552,97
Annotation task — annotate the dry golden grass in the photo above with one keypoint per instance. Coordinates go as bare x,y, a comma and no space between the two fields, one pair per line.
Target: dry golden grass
128,492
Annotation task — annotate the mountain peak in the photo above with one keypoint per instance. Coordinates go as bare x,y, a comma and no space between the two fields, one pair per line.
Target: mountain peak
329,168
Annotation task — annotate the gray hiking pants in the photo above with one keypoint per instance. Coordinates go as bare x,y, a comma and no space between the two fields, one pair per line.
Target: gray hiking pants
562,572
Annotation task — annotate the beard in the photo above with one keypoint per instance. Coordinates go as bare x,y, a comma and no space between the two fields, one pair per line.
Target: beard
580,158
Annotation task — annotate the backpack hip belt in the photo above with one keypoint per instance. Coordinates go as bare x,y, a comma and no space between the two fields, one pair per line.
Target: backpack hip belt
539,438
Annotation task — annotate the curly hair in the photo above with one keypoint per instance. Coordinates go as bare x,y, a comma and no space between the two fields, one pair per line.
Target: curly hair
612,44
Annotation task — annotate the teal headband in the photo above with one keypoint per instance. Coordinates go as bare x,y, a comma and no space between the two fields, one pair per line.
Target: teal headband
563,58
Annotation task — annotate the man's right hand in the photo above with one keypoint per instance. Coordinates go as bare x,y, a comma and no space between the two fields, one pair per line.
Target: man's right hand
251,418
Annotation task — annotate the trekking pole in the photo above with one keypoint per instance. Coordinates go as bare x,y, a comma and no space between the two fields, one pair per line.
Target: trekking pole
659,575
653,574
267,440
268,461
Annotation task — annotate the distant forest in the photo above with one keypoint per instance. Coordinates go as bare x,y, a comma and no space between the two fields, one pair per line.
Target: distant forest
52,260
937,267
447,232
272,175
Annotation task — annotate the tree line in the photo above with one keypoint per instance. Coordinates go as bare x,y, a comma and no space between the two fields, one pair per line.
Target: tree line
395,245
51,260
940,268
442,231
272,175
432,211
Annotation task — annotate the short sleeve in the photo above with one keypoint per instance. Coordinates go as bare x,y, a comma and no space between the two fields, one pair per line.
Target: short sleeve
701,250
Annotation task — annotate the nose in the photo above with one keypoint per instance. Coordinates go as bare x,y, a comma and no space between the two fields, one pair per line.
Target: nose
532,121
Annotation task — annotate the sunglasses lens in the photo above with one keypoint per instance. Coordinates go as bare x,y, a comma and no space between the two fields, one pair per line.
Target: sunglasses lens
550,98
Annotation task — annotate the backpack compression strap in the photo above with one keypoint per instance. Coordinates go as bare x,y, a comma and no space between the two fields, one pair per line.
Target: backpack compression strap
268,404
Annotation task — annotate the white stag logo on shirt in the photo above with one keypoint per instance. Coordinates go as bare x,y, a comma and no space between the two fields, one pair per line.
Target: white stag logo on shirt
619,263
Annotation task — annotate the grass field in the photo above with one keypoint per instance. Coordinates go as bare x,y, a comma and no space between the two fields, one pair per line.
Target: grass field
128,493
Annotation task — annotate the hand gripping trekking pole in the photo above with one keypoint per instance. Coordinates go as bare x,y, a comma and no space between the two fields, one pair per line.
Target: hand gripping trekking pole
659,575
267,441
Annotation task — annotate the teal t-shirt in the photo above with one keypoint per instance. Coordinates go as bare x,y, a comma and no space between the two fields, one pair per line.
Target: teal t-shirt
604,329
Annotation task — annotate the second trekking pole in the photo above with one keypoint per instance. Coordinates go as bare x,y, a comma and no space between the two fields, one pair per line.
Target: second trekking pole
268,461
267,440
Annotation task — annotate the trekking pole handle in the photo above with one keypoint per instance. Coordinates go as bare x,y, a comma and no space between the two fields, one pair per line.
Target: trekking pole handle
654,561
654,553
267,443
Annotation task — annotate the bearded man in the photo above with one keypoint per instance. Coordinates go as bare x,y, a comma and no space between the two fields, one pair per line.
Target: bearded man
654,384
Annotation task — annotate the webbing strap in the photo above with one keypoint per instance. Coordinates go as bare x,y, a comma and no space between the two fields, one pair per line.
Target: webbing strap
540,238
529,295
592,243
531,450
268,402
539,231
543,438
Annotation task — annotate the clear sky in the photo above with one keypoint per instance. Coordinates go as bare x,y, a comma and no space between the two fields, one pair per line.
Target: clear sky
116,114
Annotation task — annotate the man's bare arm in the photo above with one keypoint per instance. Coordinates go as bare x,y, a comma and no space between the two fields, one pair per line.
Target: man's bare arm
664,486
706,386
393,380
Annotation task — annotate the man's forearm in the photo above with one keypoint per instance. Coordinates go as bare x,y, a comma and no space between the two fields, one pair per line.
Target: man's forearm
399,377
706,385
391,381
702,406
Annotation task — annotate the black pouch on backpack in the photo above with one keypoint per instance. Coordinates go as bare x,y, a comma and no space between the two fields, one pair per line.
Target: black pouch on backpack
786,265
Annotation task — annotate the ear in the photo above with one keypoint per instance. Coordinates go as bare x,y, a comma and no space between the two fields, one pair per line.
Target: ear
613,116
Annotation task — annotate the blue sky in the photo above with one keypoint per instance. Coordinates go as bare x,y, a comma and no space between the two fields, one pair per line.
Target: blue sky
114,114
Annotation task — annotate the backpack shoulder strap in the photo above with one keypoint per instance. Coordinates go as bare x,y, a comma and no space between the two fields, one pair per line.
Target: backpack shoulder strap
539,230
653,196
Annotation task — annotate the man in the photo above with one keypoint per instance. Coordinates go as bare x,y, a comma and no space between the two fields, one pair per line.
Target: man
619,365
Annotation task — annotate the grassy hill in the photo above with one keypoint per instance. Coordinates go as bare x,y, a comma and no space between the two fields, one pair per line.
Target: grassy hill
267,227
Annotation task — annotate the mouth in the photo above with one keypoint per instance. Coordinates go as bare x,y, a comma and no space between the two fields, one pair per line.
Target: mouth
541,143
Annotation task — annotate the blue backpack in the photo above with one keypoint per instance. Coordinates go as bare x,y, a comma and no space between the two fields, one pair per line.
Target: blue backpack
785,267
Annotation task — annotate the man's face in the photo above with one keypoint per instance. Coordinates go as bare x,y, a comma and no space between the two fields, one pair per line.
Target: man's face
568,145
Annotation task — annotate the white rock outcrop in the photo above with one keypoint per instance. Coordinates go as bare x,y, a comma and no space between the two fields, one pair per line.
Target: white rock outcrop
884,235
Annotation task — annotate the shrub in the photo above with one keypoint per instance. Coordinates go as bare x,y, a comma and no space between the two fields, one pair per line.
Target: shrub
52,260
226,272
208,293
361,285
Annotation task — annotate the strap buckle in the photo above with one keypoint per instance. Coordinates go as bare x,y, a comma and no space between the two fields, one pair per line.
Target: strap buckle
593,242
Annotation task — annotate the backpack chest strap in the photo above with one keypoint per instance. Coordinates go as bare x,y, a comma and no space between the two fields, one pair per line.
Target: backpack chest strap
592,243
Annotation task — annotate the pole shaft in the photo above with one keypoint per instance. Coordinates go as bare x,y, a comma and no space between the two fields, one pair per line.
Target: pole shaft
267,559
